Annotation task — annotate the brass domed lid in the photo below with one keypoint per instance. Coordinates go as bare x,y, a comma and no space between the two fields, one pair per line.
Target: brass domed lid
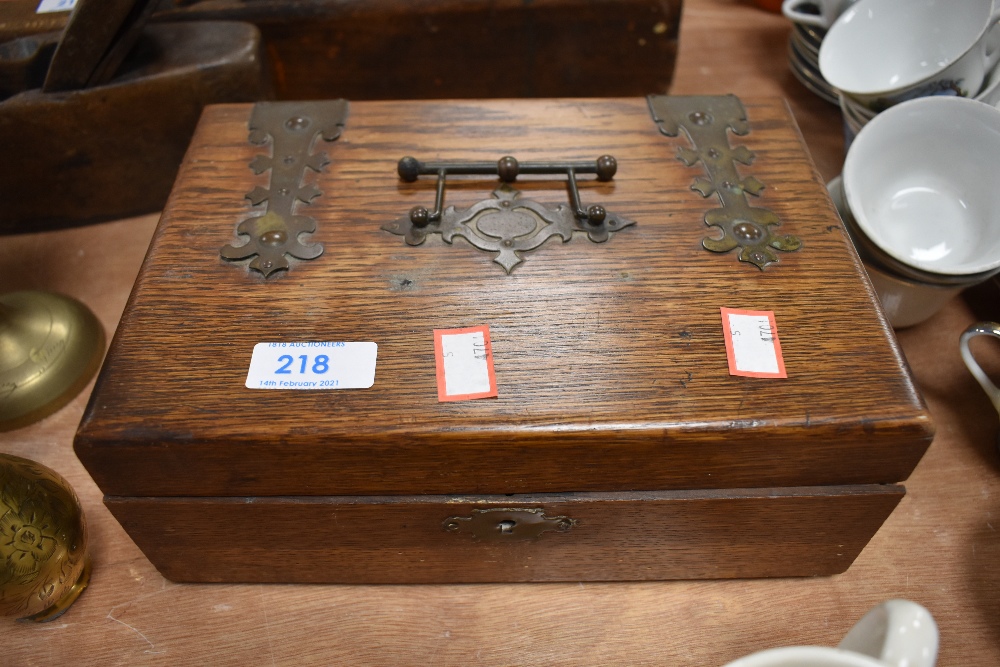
50,346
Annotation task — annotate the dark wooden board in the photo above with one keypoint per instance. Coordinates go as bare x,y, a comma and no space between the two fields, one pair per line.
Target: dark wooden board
421,49
629,536
610,357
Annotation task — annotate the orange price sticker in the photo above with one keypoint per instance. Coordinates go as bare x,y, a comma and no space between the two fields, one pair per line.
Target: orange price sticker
752,343
464,362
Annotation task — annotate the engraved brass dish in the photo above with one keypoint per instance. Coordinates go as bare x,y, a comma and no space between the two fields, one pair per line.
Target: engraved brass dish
44,565
50,346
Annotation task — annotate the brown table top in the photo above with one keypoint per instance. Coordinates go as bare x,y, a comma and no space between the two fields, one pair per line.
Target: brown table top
938,548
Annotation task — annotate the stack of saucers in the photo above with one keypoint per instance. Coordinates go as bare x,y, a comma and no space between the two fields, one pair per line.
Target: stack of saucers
803,59
810,21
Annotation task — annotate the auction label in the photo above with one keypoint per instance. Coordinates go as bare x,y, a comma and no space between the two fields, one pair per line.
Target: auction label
312,366
47,6
752,343
464,364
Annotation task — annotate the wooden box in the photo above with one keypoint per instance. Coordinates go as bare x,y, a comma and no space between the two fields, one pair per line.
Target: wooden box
619,445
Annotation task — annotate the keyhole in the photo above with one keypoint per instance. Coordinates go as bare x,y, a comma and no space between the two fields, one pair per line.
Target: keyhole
506,527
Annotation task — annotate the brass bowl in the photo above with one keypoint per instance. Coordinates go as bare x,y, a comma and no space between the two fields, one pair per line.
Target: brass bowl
44,565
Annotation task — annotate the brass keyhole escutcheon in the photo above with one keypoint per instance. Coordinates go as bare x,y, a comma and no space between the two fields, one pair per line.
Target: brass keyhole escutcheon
507,523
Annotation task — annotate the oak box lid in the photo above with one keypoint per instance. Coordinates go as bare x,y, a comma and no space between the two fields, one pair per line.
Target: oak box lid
610,357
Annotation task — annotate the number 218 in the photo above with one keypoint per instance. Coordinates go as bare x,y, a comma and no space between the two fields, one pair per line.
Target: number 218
320,365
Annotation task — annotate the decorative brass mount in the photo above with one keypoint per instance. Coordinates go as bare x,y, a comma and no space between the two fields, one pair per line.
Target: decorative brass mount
498,524
706,120
292,127
506,224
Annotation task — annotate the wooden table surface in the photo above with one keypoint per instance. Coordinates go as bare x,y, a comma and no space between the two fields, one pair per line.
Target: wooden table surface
940,547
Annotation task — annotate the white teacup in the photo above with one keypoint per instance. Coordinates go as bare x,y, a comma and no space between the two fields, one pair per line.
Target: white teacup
921,182
882,52
905,301
857,115
829,10
897,633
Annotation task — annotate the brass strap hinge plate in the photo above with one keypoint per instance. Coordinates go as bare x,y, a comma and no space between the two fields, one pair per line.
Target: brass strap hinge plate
291,128
706,121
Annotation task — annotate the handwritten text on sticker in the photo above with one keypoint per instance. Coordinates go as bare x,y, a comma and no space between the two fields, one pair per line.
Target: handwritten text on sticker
752,343
464,364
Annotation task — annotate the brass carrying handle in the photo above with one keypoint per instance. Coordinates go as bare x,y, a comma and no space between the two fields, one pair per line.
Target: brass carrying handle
508,169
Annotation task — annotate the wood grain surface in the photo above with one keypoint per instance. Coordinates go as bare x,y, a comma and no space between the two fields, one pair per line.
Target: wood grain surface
939,547
608,355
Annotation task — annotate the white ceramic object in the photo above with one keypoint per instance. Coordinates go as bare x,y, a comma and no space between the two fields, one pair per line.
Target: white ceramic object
856,115
990,94
920,180
897,633
980,329
808,43
849,113
906,302
851,126
857,109
807,73
829,11
882,52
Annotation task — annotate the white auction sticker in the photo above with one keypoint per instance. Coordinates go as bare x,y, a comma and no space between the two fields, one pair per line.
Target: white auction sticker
47,6
464,361
312,366
752,343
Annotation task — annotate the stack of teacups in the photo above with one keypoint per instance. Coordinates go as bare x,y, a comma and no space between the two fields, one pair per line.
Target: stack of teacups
810,21
921,200
882,52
